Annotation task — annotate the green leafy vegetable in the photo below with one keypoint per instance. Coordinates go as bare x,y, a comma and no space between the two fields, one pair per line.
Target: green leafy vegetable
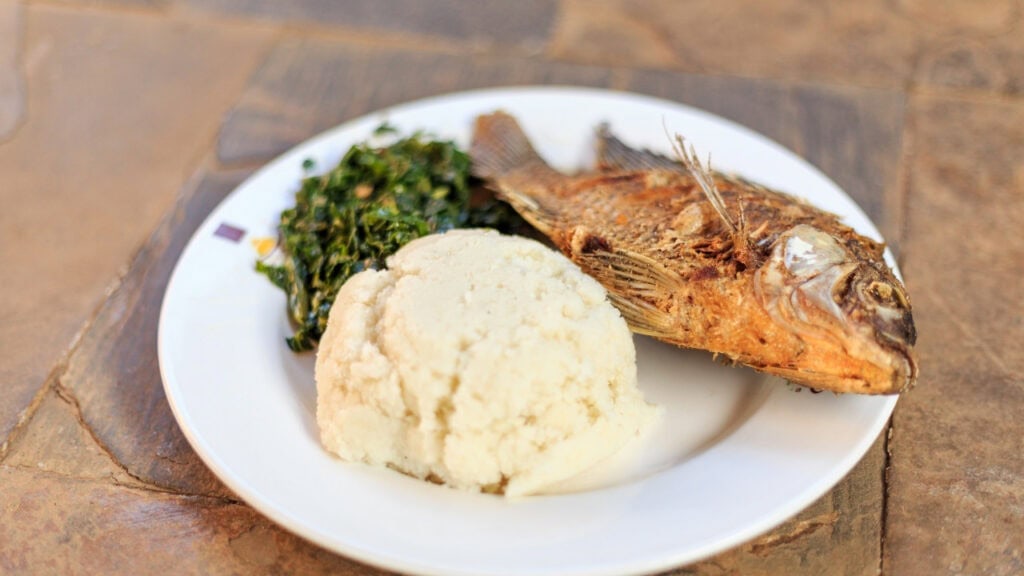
374,202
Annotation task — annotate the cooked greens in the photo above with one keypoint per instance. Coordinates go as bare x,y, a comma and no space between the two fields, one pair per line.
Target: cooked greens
375,201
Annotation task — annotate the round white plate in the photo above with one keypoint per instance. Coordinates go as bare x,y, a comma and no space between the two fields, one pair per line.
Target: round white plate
735,455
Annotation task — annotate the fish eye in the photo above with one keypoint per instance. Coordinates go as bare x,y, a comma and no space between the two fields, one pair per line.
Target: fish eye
880,290
886,294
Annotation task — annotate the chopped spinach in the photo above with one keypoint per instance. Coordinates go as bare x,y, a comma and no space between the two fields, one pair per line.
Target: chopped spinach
374,202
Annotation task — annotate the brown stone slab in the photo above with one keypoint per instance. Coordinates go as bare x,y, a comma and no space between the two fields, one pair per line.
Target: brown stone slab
121,105
56,441
57,525
524,22
305,87
12,95
956,485
874,42
853,135
114,374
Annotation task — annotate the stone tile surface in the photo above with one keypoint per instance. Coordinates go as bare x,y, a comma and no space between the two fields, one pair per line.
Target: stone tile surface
525,22
307,86
121,107
12,96
956,489
107,107
55,441
114,376
55,525
876,42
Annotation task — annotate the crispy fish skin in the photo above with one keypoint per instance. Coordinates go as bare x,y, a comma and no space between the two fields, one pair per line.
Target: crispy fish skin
705,260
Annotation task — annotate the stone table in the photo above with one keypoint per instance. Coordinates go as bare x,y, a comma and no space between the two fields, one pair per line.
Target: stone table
123,122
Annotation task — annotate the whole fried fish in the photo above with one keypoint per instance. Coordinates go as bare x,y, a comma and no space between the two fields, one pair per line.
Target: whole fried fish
711,261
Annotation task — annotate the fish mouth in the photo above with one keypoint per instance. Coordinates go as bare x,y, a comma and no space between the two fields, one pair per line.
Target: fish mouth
880,303
894,330
901,347
905,377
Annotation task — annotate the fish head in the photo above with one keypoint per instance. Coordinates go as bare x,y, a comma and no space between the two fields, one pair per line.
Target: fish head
875,297
820,289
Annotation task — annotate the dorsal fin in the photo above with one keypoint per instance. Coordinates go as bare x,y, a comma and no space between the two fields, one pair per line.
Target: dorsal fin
705,179
614,154
743,252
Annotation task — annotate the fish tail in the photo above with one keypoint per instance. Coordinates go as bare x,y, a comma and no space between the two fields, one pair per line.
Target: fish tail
502,154
501,150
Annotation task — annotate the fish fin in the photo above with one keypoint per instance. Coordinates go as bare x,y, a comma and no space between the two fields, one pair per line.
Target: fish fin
500,150
704,177
502,155
744,253
634,282
643,318
614,154
533,209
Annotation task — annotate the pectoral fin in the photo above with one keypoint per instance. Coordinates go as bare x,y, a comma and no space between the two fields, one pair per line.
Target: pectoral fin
639,287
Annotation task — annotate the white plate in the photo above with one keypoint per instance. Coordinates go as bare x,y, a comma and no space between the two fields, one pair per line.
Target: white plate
737,454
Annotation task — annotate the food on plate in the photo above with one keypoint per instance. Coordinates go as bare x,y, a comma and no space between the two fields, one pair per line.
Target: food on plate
351,218
482,361
706,260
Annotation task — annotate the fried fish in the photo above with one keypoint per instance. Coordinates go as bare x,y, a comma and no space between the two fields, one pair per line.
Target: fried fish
707,260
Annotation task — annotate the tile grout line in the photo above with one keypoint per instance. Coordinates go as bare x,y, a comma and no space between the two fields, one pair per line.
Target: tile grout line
903,225
26,415
143,488
68,397
883,536
60,366
53,380
205,163
63,361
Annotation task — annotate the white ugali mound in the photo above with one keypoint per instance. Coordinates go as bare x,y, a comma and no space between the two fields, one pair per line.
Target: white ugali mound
482,361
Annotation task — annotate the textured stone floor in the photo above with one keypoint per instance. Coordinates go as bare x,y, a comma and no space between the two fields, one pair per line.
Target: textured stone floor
123,122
